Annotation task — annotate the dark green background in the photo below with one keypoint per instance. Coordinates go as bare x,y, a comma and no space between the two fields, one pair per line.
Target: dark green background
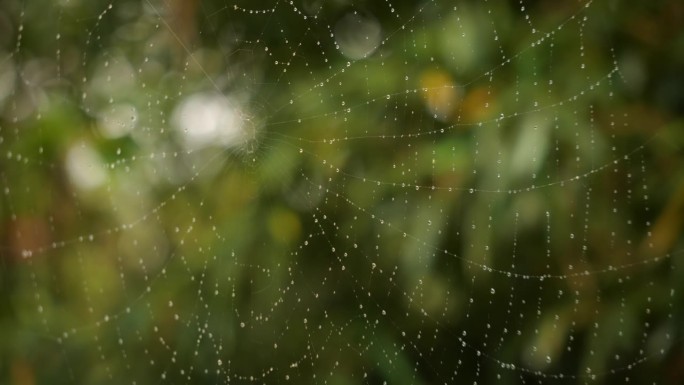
359,260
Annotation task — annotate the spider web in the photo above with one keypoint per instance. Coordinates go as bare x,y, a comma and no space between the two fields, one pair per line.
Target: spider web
332,192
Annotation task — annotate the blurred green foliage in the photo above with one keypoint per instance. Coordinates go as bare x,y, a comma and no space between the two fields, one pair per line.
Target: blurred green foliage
493,194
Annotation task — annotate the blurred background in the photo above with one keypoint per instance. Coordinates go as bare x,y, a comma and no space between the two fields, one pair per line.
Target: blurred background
341,192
